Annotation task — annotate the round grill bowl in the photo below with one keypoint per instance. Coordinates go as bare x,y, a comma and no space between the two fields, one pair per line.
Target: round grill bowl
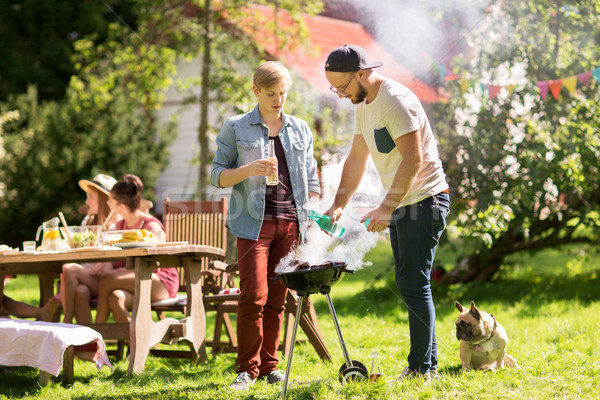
317,279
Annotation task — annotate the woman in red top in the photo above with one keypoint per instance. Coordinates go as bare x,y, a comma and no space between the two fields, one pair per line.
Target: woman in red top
117,287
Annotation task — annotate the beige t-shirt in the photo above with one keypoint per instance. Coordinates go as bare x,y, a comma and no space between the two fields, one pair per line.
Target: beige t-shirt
397,111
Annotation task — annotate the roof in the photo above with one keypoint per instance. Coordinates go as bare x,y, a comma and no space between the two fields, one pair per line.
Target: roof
324,35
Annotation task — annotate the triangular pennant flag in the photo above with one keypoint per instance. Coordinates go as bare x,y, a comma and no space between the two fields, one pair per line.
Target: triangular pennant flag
596,73
493,90
450,76
464,85
489,89
570,83
442,72
555,86
584,78
543,85
510,88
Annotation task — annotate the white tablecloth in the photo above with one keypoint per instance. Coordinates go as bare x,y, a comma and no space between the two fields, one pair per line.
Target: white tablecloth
42,344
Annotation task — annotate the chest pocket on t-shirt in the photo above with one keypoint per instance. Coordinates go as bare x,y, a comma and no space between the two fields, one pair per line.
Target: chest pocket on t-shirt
383,140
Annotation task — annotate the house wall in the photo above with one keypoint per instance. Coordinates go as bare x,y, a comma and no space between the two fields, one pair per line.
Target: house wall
179,180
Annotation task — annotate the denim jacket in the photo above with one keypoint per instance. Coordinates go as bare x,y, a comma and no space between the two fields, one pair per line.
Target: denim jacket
245,138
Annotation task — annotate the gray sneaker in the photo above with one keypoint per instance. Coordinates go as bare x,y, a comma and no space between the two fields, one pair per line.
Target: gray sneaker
242,382
410,374
275,376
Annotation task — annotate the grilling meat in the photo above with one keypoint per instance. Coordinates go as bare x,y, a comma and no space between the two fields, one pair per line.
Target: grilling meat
326,264
298,265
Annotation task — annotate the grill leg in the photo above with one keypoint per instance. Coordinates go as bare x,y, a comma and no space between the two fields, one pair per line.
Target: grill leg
339,332
289,361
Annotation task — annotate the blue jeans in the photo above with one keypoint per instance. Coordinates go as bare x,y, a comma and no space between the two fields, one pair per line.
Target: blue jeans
415,231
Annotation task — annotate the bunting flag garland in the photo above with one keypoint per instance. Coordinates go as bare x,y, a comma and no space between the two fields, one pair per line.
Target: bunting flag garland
570,84
510,88
465,84
553,86
584,78
442,72
493,90
543,85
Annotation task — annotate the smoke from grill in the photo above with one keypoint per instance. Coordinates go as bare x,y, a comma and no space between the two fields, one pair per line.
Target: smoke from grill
320,248
352,247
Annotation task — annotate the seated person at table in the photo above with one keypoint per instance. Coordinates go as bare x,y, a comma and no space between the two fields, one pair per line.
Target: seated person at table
19,309
80,282
117,286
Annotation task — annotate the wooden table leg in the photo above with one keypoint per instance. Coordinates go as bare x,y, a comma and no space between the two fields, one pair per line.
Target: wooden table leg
196,311
141,316
46,287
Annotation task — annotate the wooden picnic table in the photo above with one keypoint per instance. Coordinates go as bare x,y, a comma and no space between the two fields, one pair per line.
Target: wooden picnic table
143,332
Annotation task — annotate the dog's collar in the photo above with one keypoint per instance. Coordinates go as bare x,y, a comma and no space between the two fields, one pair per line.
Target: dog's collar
491,334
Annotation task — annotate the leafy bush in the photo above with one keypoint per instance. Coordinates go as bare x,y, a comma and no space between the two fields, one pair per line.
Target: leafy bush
524,170
53,145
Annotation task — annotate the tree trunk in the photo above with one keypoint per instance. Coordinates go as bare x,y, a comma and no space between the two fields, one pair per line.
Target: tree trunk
203,180
474,268
482,267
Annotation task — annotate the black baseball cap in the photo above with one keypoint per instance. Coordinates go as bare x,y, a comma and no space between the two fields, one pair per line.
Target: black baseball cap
349,58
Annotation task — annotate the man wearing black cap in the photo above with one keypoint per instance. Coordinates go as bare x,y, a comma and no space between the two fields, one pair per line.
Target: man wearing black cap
391,126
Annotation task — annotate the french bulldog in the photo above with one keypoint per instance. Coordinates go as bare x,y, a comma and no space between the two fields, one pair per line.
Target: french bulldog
482,340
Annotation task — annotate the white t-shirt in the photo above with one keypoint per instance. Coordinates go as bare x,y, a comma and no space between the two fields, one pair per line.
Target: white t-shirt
394,112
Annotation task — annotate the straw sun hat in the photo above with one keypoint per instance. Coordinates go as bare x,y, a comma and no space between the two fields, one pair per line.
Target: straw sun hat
104,183
101,182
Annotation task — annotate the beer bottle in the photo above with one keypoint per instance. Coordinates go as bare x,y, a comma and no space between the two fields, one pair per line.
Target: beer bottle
272,179
375,371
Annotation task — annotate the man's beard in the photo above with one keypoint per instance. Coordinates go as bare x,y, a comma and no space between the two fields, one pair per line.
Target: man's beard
360,96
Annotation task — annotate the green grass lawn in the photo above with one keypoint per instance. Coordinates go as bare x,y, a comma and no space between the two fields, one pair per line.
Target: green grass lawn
548,303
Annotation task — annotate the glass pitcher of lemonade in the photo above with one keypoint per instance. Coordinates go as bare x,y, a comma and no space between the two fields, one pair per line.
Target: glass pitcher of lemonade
51,239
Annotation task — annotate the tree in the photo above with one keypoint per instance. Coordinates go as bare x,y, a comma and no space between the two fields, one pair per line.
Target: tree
54,144
37,38
105,123
525,172
228,32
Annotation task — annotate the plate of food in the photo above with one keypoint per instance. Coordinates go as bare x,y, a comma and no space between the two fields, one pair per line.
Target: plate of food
6,250
132,245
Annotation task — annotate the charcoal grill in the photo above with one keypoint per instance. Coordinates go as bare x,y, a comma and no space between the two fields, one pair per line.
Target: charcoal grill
308,279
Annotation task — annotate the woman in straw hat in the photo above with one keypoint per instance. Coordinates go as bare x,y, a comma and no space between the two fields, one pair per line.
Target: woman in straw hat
97,191
80,282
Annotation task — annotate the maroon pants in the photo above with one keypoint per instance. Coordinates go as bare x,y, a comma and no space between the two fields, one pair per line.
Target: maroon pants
262,302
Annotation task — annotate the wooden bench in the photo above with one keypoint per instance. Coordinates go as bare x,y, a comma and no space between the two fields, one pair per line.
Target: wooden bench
49,346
